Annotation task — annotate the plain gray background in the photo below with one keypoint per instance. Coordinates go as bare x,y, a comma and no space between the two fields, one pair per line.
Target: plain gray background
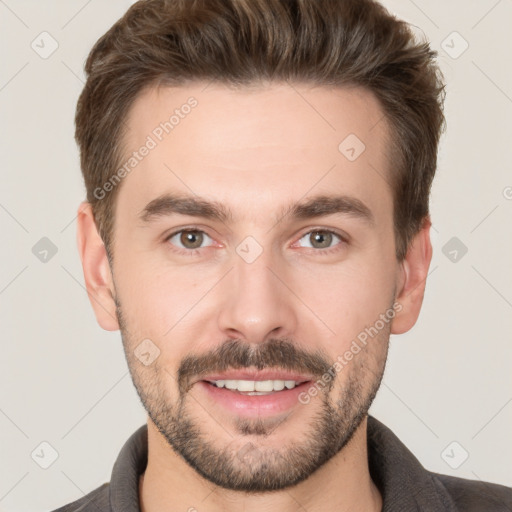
447,388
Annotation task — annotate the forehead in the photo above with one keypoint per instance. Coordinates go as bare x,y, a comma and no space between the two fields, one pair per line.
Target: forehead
256,148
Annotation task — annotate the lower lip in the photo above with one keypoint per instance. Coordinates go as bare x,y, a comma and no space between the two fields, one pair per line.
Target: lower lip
254,405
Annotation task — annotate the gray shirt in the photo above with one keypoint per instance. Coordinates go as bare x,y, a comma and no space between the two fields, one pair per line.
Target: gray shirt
404,484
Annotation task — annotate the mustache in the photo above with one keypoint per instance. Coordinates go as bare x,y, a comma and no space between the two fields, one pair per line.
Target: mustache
236,355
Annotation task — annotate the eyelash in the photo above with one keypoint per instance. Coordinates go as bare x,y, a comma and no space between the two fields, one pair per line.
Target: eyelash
192,252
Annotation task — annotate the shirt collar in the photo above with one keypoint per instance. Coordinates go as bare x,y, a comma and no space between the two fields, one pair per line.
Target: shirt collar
405,485
130,464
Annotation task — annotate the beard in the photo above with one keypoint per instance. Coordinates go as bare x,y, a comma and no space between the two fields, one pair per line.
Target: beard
247,463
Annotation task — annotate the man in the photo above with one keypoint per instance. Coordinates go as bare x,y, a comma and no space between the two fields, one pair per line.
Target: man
257,225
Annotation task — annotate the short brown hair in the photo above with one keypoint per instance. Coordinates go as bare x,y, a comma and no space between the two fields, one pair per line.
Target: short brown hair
242,42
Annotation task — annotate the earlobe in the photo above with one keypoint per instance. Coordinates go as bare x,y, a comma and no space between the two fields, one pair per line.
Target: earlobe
96,268
412,279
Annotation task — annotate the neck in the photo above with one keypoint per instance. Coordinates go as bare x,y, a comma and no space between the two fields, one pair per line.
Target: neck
343,484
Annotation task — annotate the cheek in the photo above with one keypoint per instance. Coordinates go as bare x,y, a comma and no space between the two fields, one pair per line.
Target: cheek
347,298
153,299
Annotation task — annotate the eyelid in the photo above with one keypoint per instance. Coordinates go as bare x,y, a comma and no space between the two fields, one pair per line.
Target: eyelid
344,238
175,232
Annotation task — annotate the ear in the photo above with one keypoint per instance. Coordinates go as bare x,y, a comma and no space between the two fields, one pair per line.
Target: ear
96,267
411,280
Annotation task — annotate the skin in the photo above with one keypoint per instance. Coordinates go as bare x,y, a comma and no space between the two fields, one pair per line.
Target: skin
256,150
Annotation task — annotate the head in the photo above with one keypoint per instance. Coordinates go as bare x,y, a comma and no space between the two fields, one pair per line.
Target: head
258,177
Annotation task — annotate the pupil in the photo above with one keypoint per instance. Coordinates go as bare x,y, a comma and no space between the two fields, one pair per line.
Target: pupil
191,239
324,239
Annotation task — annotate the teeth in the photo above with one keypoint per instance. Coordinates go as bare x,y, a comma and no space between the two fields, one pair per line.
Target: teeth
264,385
249,386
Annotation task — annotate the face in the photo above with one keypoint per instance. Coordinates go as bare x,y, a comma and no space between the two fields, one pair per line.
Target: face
253,249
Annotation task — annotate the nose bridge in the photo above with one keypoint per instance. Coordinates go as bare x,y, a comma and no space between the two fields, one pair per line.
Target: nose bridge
258,304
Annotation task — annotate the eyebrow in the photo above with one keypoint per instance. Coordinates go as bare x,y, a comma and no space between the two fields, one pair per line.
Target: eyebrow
317,206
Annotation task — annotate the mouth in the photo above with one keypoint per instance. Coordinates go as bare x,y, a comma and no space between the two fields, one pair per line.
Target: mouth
255,394
255,387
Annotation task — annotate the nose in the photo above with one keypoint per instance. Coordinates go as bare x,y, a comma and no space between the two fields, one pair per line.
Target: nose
257,302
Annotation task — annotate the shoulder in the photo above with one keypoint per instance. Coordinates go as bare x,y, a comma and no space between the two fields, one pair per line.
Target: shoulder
96,501
476,495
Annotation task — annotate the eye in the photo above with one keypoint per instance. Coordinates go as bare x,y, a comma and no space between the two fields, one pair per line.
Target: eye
188,239
321,238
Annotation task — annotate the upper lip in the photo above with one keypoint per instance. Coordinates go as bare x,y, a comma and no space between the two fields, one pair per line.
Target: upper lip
257,375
